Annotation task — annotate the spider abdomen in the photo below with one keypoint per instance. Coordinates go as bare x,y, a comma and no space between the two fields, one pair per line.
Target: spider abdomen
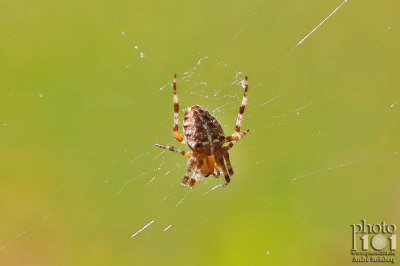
202,131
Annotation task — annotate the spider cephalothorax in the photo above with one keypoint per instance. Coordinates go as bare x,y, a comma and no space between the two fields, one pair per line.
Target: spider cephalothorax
205,137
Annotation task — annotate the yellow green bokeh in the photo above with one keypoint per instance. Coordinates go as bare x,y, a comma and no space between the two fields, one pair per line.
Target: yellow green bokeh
85,92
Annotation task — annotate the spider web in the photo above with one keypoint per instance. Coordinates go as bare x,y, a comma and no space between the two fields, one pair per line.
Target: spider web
295,155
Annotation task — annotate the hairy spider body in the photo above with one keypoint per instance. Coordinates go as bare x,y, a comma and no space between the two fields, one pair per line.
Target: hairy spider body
205,137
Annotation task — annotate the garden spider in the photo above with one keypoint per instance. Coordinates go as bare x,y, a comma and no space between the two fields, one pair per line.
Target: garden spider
204,136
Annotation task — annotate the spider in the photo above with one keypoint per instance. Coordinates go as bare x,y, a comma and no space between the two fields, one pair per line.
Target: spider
204,136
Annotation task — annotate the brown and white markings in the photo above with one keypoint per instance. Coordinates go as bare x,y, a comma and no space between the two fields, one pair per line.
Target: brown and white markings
204,136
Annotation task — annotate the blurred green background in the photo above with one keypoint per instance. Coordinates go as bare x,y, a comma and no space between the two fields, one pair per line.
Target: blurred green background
85,92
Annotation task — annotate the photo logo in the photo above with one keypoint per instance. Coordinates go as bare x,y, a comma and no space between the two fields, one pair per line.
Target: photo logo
377,242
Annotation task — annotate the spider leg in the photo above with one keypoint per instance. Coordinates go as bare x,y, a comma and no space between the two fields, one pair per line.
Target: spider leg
171,148
196,176
228,163
191,166
177,135
200,161
233,139
237,135
226,175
